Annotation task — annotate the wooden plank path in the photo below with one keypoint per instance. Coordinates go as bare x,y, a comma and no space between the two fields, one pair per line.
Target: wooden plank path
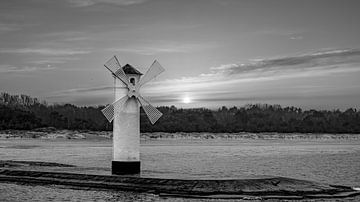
263,188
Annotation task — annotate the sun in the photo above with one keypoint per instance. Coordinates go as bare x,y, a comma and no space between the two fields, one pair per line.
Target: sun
186,100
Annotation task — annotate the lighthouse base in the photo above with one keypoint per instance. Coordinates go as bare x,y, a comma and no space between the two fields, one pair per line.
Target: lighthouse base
125,167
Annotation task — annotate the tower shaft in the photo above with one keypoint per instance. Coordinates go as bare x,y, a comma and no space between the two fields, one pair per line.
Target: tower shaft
126,134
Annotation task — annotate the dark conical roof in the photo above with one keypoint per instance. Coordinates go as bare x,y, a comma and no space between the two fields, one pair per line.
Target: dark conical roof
128,69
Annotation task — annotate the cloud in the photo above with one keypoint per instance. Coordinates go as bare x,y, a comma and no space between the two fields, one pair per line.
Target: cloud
84,96
83,90
285,33
279,32
45,51
156,47
4,27
15,69
53,60
68,36
296,37
84,3
303,62
10,27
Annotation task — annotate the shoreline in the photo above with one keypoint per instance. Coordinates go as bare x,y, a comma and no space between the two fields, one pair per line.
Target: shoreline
79,134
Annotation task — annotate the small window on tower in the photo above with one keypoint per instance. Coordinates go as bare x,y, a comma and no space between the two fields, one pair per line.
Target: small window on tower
132,80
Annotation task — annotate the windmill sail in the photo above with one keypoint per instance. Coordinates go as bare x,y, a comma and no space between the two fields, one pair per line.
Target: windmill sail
109,111
154,70
152,113
114,67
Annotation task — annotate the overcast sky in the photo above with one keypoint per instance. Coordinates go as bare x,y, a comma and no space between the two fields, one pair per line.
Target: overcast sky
216,52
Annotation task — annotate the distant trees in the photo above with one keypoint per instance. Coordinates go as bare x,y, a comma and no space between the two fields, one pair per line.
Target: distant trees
185,120
24,112
65,116
11,118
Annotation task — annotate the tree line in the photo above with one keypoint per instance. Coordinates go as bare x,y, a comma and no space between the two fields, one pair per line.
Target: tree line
23,112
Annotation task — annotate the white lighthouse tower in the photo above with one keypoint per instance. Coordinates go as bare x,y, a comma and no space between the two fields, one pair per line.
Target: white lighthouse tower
125,114
126,128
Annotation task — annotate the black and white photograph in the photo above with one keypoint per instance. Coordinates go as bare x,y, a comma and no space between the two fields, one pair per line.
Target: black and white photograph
180,100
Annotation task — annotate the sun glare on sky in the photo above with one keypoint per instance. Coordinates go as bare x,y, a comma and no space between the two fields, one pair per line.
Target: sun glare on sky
186,100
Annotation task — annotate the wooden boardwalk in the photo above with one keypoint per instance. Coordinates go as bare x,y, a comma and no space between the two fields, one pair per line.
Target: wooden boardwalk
263,188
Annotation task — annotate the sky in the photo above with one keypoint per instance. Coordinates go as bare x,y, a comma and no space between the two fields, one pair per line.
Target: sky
215,52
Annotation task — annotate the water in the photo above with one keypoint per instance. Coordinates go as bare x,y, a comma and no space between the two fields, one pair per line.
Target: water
328,161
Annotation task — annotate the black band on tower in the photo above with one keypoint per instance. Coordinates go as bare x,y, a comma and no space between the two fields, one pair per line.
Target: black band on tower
125,167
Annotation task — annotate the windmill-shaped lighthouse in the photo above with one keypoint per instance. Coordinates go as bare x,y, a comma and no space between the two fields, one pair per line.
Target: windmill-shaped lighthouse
125,114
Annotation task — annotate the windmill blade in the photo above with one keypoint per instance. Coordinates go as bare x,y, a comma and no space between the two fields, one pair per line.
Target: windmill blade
109,111
152,113
115,68
154,70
